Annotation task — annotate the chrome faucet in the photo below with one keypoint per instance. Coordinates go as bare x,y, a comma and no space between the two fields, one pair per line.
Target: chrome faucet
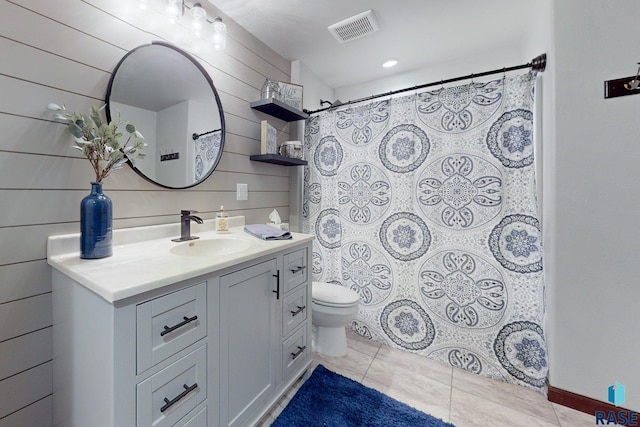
185,226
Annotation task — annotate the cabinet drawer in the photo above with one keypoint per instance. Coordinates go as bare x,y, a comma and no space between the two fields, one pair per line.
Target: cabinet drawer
296,270
166,397
294,310
198,420
295,352
170,323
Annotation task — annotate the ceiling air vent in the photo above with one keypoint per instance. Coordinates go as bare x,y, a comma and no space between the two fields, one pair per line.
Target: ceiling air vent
355,27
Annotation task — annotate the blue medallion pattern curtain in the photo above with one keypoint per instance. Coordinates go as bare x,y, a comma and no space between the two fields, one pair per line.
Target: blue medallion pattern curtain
426,206
207,149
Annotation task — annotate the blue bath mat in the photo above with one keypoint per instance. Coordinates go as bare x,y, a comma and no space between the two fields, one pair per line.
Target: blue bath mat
330,400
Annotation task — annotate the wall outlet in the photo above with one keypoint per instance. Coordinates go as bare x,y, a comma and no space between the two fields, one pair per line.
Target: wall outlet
242,192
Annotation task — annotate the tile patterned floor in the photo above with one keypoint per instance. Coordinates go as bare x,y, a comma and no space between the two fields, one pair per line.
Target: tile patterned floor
454,395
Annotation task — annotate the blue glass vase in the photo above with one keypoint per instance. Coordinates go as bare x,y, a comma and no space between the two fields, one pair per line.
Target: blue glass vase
95,224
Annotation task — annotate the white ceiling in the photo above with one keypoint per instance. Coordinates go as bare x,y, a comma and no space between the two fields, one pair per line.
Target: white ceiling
417,33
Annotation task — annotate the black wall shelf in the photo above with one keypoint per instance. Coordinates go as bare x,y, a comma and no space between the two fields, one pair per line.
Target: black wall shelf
277,159
279,109
282,111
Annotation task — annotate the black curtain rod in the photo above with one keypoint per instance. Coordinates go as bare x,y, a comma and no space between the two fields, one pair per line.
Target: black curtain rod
539,63
195,136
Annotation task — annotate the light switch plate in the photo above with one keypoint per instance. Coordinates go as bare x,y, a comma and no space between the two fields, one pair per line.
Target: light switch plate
242,192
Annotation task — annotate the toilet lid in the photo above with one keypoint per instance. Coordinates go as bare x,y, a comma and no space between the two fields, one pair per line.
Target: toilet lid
329,293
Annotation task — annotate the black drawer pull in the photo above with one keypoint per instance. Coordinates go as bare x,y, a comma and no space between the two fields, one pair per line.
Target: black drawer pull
169,403
295,270
298,311
277,291
298,353
168,329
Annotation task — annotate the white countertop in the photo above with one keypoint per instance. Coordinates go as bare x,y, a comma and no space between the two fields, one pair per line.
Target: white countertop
142,260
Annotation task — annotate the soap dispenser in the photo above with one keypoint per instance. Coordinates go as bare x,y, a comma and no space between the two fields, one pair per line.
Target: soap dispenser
222,221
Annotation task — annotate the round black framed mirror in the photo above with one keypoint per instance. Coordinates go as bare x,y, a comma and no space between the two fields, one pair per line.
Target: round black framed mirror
172,101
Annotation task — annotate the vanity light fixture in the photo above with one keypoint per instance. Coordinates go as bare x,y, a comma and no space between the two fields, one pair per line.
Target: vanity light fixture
198,19
174,9
390,63
219,37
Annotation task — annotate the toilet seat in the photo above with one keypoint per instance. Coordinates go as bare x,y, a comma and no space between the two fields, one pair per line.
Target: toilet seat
333,295
329,304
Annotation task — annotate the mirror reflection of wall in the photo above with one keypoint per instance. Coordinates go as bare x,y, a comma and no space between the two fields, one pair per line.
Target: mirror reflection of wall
169,97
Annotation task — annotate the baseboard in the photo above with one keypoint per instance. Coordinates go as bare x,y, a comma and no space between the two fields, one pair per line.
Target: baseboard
580,403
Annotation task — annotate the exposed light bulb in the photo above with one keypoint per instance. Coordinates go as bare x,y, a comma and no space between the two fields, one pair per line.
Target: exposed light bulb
174,9
198,19
219,37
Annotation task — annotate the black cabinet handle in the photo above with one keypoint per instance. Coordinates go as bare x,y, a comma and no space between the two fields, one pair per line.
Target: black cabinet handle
295,270
298,353
186,321
169,403
277,291
298,311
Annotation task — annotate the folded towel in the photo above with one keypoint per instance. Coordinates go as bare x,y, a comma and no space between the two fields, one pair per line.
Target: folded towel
267,232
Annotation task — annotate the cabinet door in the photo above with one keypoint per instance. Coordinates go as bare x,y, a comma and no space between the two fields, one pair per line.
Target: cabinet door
249,346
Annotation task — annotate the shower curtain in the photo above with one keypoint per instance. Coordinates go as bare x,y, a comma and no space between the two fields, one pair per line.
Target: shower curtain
426,206
206,153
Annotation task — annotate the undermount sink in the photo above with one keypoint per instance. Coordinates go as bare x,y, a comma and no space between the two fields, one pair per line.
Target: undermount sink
214,246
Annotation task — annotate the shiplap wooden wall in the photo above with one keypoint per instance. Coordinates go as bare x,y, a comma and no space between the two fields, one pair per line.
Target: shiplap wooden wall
64,51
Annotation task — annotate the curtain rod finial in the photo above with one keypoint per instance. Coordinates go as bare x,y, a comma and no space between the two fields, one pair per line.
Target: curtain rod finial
539,63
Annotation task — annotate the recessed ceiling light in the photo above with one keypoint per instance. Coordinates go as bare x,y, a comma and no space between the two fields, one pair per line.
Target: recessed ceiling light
390,63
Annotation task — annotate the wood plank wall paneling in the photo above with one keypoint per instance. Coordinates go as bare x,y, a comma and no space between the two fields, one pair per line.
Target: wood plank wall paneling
36,414
40,381
48,54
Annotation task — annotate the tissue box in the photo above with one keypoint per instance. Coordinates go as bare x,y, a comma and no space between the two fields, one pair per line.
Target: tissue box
284,226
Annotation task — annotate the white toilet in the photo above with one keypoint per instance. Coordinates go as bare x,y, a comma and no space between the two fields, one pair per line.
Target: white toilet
333,306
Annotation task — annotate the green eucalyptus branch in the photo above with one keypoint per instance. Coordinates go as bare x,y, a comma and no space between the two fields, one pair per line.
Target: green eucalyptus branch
100,141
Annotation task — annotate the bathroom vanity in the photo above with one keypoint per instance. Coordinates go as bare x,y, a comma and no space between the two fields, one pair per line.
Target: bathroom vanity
208,332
